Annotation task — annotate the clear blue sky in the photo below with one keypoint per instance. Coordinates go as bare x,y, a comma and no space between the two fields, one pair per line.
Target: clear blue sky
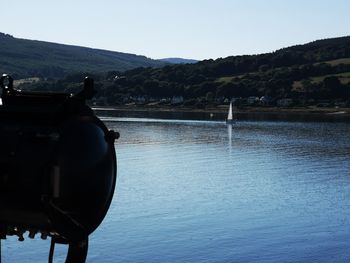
178,28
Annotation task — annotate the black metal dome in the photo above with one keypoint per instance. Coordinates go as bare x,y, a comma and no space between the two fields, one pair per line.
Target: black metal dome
57,166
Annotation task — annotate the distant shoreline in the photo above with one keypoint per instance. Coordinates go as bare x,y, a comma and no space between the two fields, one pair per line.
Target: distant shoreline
224,108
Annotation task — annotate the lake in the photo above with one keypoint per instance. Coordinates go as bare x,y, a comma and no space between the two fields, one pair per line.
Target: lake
202,191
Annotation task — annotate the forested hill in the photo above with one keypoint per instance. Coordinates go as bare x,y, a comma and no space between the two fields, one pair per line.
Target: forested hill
29,58
317,51
178,60
303,74
317,70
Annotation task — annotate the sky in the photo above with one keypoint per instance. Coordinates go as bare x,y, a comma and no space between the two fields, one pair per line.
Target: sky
197,29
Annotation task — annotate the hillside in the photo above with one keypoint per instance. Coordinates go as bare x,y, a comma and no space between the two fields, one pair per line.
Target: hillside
30,58
179,60
315,73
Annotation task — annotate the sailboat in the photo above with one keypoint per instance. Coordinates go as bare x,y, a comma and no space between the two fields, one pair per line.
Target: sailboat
230,119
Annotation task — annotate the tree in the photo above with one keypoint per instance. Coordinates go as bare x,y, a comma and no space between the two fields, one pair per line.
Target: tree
332,87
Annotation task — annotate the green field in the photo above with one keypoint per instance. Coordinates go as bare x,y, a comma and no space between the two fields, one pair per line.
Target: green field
344,77
337,61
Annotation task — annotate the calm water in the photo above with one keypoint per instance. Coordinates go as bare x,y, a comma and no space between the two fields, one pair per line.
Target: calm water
199,191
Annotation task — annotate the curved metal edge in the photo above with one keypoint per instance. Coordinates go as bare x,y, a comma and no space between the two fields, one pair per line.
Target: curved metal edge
77,252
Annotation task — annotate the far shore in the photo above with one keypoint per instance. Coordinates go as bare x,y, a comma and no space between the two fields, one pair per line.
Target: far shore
310,110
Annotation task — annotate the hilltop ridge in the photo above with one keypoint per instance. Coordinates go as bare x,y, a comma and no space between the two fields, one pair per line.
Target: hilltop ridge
24,58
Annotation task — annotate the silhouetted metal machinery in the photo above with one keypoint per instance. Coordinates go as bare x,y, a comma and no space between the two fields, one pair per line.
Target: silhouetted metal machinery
57,167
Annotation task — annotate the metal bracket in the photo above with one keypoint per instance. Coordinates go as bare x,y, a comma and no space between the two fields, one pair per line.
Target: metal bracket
9,86
77,251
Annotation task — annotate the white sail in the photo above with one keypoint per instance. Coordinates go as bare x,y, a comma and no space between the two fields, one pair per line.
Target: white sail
229,116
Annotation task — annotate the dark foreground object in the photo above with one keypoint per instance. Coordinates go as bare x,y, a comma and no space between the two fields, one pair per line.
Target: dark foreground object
57,167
